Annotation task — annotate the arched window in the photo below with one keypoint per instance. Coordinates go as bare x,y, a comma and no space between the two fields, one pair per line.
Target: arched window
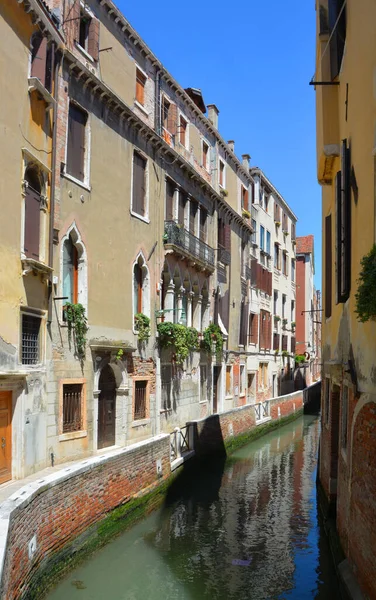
141,287
70,271
32,213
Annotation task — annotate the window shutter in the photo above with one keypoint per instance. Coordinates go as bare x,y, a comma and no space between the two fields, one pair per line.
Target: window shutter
181,209
328,266
276,341
170,189
172,119
203,223
224,308
139,191
345,224
93,41
245,199
227,236
76,142
39,58
73,25
192,215
32,224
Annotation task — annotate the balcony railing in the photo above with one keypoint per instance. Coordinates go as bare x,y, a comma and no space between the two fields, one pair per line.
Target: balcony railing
224,256
189,243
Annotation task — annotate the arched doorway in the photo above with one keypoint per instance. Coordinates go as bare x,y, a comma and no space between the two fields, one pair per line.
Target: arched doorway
106,408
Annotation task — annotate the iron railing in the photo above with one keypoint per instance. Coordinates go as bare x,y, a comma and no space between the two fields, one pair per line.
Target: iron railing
224,255
72,407
189,243
262,410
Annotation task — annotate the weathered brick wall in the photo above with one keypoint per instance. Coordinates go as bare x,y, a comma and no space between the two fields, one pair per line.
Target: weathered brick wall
59,510
211,433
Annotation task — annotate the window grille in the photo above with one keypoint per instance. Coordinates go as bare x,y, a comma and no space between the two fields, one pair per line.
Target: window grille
140,400
72,407
30,340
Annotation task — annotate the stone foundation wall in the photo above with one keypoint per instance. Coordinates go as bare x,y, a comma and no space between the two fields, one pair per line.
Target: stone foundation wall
41,518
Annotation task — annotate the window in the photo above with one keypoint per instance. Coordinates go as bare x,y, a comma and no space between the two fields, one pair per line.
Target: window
284,343
293,270
265,330
262,238
292,311
76,143
293,232
141,287
137,288
183,126
284,262
344,416
243,329
268,243
327,400
275,341
263,375
253,328
285,226
70,271
181,207
72,412
242,380
203,224
277,213
140,86
41,60
277,257
170,193
166,107
254,234
293,345
140,399
205,155
222,180
30,339
169,118
228,381
203,383
88,33
244,198
337,28
32,213
343,227
166,384
328,266
266,203
283,306
139,185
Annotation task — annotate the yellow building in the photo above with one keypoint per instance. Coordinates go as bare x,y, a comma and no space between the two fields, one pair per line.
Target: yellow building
345,84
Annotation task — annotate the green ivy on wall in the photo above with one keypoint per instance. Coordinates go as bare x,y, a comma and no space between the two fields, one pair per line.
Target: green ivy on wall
183,339
77,324
142,326
213,337
365,297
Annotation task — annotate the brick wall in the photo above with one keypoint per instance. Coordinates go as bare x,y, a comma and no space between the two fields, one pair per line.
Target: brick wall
59,508
211,433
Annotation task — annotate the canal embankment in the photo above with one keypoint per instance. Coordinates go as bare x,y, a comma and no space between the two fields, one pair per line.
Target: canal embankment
53,522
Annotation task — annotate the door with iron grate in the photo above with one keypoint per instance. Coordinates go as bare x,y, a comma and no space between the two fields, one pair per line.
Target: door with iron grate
106,408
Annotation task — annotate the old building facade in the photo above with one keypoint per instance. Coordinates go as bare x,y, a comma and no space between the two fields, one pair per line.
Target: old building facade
346,118
132,236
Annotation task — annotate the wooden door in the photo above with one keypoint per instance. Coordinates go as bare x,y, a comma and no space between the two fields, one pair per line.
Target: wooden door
5,436
106,408
216,381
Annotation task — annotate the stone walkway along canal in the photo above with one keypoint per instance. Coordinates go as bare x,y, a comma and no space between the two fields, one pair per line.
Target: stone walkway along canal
245,527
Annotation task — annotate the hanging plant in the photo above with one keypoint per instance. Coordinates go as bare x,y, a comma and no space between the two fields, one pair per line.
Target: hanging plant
293,324
277,223
284,323
213,339
142,326
299,358
285,353
77,324
224,192
246,214
277,318
184,339
365,297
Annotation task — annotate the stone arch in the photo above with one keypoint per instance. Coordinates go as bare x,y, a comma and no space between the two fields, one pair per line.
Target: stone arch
74,235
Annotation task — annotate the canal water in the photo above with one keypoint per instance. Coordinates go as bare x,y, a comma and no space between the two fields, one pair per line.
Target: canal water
242,528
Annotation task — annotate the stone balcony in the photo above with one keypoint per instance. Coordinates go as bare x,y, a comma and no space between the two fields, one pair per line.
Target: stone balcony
181,241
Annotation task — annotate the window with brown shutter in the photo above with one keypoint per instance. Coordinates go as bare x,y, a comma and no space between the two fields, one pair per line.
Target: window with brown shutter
41,59
254,272
181,207
221,173
32,214
277,257
140,87
139,184
253,328
293,232
183,124
165,112
328,266
93,39
169,116
293,345
275,341
244,199
227,232
170,190
77,119
205,156
284,222
243,324
284,343
284,262
343,227
265,330
277,213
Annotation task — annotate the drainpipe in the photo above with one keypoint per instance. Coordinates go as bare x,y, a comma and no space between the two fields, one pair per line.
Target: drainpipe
53,180
157,109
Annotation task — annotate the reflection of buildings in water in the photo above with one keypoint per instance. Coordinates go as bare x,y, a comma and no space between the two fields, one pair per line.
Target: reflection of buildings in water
261,514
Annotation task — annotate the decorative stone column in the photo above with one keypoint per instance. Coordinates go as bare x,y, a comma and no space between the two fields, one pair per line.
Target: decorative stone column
179,305
190,296
169,303
197,307
175,207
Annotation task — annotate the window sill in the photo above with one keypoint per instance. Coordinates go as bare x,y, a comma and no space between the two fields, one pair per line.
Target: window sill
31,265
229,397
140,217
83,184
141,107
203,401
140,422
35,85
72,435
85,53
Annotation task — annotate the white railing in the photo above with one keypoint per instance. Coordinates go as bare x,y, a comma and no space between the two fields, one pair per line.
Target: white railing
179,442
262,410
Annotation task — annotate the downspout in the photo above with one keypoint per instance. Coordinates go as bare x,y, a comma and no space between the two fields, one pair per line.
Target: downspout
53,181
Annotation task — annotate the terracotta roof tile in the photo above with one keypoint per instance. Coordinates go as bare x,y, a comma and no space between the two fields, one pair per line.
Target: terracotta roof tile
304,244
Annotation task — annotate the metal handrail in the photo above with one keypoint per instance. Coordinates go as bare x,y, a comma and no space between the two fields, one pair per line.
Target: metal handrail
180,237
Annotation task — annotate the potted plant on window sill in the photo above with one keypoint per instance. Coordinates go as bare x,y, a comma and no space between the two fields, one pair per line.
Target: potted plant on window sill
284,323
277,223
293,325
276,318
223,192
246,214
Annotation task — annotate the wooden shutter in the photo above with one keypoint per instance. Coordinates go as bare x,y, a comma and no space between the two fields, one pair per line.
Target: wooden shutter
224,308
32,224
245,198
343,227
227,236
284,342
276,341
328,266
293,345
138,198
73,23
268,342
170,189
93,39
253,328
39,58
76,142
172,119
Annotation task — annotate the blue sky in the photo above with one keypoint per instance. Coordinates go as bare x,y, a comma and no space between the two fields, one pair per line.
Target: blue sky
254,60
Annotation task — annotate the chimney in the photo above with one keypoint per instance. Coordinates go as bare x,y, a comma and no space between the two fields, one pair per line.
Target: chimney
245,160
213,113
231,143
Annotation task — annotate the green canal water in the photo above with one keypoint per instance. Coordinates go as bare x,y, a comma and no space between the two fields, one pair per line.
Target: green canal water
242,528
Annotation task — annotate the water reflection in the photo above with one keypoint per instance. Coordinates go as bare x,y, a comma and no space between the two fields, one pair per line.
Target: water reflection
247,529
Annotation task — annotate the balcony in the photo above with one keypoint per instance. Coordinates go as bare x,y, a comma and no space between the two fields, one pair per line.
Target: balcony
224,255
188,245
